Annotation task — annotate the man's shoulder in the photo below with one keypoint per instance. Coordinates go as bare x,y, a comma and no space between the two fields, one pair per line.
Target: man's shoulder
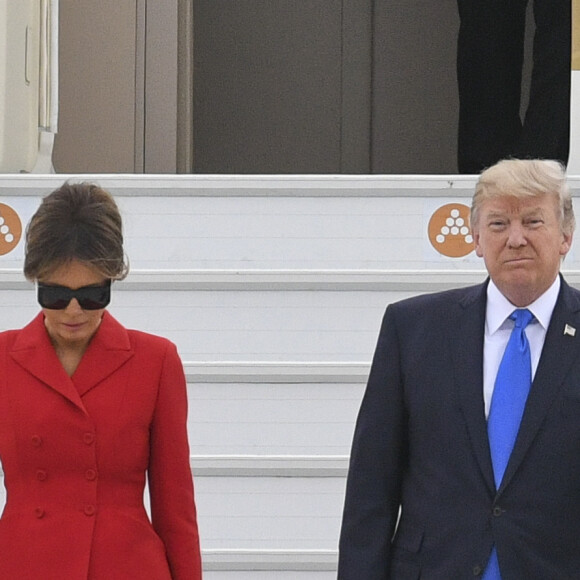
420,316
569,291
456,296
568,298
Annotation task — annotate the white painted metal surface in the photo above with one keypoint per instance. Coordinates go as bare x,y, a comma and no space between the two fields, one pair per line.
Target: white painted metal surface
574,158
28,84
274,302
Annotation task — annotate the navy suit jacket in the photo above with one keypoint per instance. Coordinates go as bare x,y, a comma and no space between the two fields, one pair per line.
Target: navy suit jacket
421,500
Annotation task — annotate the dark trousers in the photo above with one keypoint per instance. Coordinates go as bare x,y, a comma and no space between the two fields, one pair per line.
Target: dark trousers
489,73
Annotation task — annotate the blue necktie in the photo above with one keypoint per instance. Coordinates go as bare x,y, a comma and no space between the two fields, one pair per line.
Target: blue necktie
512,385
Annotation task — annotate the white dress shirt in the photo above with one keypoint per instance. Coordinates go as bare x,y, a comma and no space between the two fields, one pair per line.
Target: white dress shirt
498,328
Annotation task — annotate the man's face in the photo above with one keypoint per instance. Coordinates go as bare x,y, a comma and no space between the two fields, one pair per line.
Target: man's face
522,244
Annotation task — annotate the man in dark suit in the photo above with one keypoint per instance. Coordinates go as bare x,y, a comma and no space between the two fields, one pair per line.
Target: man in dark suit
424,498
490,53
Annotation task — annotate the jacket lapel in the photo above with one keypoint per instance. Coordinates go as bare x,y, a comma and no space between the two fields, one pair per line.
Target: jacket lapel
467,349
34,352
109,349
559,352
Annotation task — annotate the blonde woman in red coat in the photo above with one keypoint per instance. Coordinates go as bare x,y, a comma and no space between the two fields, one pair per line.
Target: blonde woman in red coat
88,410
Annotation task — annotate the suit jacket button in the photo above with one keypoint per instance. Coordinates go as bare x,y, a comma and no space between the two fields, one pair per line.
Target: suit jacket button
39,512
497,511
89,510
41,475
477,570
89,438
91,474
36,440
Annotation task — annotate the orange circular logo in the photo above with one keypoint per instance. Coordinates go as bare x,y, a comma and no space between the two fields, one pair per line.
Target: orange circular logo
449,231
10,229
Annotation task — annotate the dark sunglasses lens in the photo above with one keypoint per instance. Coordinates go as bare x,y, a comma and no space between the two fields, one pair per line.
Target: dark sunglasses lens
59,297
53,297
94,298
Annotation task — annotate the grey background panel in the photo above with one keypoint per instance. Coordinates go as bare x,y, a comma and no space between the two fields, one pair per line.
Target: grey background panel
279,86
267,86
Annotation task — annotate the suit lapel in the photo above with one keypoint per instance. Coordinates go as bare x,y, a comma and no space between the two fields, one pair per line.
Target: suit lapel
467,349
109,349
559,352
34,352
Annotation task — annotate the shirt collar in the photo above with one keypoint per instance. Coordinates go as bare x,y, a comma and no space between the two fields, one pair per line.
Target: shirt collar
498,307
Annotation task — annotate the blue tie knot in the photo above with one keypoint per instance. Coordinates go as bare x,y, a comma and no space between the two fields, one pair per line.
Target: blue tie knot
522,317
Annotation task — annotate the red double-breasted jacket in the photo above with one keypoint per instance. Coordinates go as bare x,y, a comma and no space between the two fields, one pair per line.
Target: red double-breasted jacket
76,452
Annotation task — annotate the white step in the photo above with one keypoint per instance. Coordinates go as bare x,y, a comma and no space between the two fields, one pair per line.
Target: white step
273,289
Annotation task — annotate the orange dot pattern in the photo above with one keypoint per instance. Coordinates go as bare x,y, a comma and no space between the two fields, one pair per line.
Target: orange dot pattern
449,231
10,229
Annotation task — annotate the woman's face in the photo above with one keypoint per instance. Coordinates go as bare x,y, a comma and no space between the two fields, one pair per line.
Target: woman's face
73,327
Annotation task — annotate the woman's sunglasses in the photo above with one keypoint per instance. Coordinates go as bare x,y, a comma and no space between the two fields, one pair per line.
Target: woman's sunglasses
88,297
